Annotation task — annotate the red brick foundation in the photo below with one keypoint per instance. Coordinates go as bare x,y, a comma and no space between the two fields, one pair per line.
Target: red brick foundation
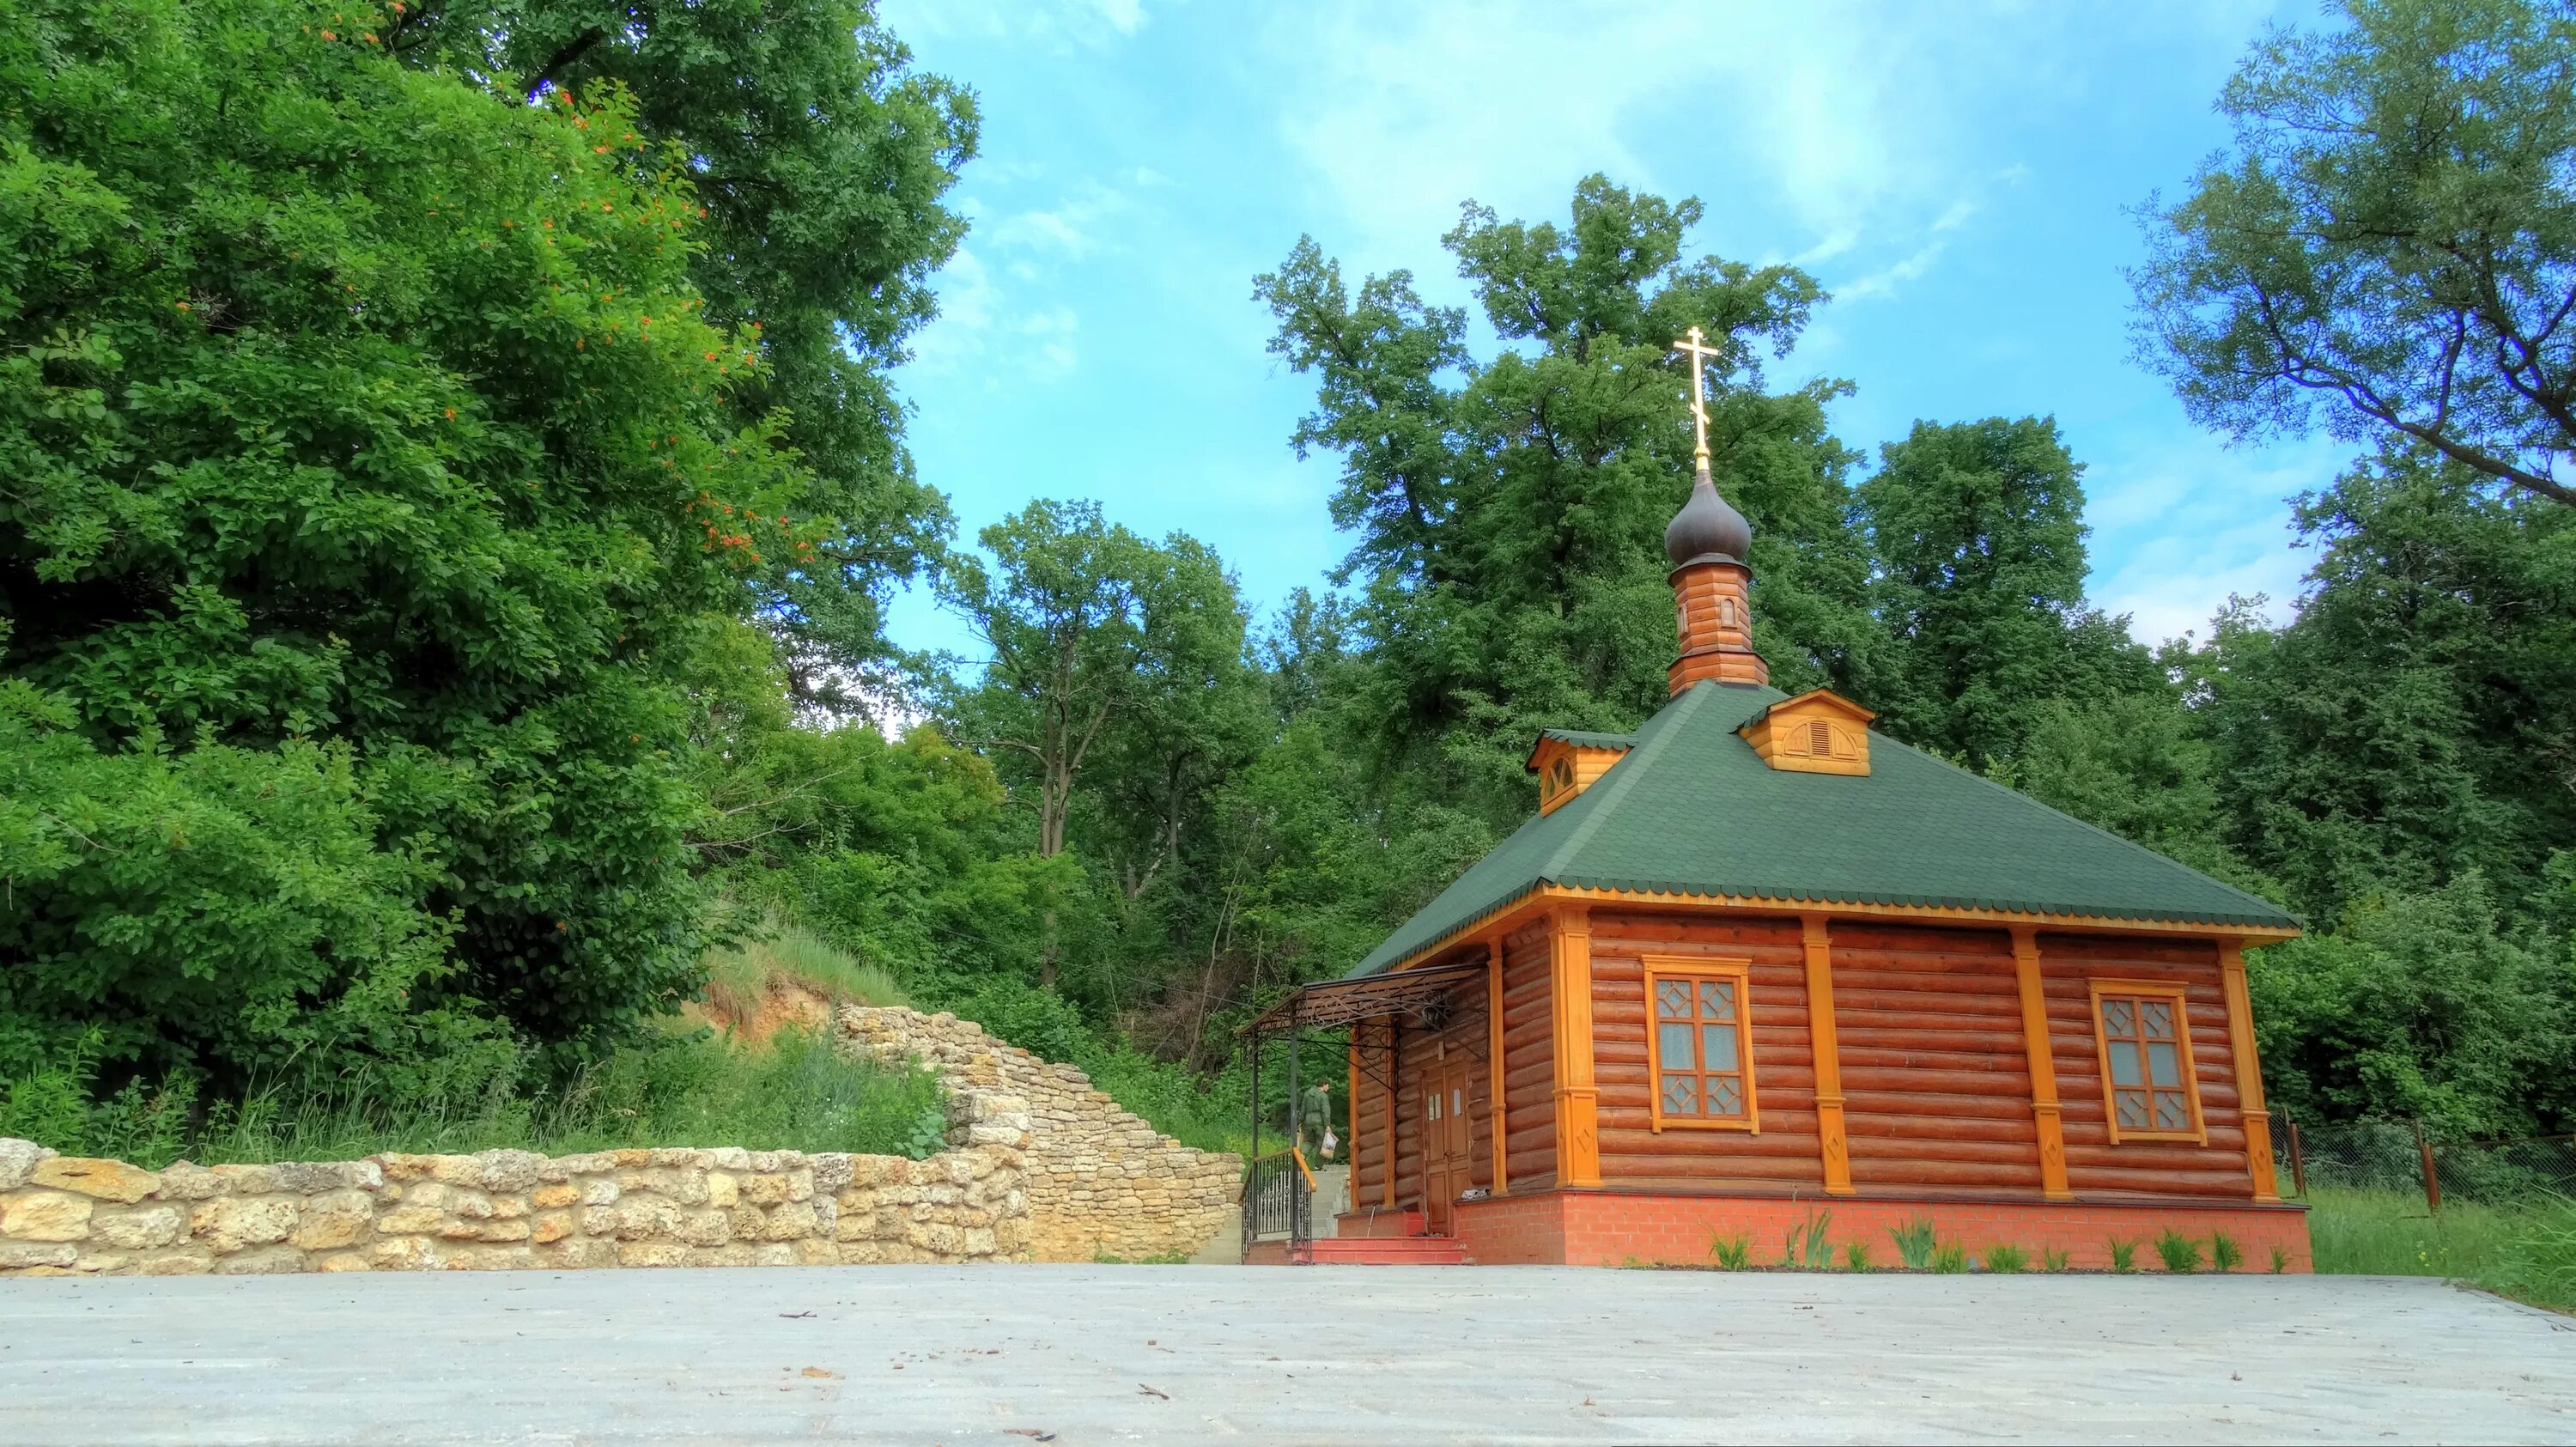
1615,1228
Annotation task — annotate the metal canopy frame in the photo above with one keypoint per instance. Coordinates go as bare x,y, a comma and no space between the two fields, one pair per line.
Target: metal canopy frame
1341,1002
1330,1004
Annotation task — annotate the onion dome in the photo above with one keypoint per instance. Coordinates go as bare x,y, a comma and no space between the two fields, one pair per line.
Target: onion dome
1707,528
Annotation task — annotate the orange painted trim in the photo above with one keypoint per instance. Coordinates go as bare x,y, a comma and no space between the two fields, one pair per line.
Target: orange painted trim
2163,989
1678,967
1833,1140
1496,1107
1578,1097
2047,1111
2249,1072
1546,896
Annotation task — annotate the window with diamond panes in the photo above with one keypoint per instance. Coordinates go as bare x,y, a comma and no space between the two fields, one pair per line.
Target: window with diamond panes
1701,1049
2146,1062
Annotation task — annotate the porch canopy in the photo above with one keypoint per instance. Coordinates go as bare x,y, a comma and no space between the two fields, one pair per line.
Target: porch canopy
1327,1003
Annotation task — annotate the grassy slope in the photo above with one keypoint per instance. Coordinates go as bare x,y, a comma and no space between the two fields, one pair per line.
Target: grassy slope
2527,1252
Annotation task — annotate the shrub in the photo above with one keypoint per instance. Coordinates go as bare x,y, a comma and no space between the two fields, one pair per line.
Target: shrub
2052,1260
1806,1244
2224,1254
2124,1256
1949,1259
2280,1261
2180,1253
1856,1255
2006,1259
1732,1253
1914,1243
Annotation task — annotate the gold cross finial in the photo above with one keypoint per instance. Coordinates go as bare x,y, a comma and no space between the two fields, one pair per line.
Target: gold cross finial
1699,352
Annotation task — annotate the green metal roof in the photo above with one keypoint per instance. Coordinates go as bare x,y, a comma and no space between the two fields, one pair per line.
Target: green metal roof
1692,810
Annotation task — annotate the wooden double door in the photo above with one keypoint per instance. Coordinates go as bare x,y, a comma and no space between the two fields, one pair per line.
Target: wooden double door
1448,1137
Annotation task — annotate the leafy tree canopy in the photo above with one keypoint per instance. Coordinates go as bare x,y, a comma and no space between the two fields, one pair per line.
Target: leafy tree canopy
2391,233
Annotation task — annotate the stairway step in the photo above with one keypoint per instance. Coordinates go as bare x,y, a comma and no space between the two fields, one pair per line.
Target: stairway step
1387,1251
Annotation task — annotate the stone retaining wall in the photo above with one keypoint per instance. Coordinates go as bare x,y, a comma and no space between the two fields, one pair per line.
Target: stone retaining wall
1101,1182
506,1210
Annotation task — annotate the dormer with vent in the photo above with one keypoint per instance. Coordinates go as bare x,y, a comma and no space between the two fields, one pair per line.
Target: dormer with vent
1820,732
1567,761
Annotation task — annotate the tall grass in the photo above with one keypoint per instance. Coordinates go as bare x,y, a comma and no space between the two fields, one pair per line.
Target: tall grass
795,1093
740,978
2528,1251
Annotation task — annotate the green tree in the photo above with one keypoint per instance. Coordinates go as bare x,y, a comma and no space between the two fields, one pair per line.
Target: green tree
2391,232
2417,720
822,159
1510,510
1977,535
1090,628
362,432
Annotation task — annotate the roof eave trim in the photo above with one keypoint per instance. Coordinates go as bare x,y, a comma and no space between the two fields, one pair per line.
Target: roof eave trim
1920,911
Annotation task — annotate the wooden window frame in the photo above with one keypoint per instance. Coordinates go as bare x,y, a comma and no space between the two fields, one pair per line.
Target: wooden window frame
1660,967
2180,995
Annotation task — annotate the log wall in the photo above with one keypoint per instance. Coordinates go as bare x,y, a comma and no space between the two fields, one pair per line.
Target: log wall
1935,1079
1784,1154
2094,1166
1529,1061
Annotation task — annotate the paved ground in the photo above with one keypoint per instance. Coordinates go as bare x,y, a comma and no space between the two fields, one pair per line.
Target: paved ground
1000,1355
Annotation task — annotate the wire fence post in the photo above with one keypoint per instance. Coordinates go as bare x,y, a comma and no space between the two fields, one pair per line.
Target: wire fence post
2298,1162
2432,1177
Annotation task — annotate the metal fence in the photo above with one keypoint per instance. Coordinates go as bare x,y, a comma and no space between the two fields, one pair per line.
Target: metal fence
1275,1199
2397,1155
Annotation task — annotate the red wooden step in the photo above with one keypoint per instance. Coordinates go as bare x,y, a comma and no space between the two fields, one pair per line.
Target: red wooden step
1386,1251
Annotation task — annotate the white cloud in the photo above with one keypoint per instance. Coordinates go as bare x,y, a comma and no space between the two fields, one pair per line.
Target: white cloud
2181,525
1857,124
977,330
1057,24
1074,227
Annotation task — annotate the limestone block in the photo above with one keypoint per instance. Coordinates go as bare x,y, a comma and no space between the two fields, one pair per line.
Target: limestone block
682,1157
314,1178
341,1218
748,1224
652,1253
762,1162
185,1181
773,1189
17,1158
599,1191
511,1230
831,1170
19,1255
550,1226
410,1221
264,1261
795,1221
495,1258
980,1241
735,1254
548,1197
247,1180
815,1253
508,1170
722,1190
89,1176
175,1263
868,1170
464,1171
729,1158
684,1185
342,1261
634,1219
398,1166
937,1238
46,1216
705,1226
409,1253
138,1228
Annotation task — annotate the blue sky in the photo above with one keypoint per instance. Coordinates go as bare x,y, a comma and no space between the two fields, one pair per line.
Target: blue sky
1958,176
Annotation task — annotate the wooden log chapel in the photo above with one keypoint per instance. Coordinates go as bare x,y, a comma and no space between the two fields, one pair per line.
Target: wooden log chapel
1754,963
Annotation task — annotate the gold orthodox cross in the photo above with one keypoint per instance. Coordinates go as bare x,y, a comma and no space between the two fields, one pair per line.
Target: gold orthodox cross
1700,352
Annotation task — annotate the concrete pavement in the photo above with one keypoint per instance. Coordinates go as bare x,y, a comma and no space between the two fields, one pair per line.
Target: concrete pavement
1001,1355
